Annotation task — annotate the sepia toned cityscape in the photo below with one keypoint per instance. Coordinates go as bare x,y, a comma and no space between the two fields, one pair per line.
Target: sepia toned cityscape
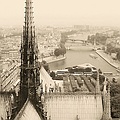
62,65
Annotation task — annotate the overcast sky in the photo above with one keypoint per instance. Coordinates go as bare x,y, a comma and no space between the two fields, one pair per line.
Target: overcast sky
62,12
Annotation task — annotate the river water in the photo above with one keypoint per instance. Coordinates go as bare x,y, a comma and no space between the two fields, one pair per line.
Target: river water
79,56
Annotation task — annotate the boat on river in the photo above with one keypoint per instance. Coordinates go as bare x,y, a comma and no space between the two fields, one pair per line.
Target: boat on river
93,56
83,69
88,67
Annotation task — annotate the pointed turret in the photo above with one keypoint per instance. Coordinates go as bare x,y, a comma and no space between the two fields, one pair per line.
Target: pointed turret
29,74
97,87
104,94
104,117
104,86
106,102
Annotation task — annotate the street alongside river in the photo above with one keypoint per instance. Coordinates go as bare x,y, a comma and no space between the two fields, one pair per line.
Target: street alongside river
82,55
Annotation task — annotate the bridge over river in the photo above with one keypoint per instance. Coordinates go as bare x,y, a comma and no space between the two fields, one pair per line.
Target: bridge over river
77,40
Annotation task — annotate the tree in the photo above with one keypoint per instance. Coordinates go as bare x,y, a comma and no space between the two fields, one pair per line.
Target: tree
57,52
88,38
92,37
63,51
63,38
52,74
115,100
101,78
116,33
118,55
61,45
99,37
109,48
46,66
115,89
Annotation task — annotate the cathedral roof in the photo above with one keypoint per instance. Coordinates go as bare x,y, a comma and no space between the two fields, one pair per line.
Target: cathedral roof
28,112
46,79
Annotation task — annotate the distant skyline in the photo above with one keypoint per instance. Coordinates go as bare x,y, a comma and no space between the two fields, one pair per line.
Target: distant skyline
62,12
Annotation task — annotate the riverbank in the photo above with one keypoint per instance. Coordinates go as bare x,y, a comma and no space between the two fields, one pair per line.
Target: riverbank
108,59
52,59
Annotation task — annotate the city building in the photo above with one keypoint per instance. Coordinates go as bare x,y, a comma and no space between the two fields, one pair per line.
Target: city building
10,47
10,53
9,75
81,27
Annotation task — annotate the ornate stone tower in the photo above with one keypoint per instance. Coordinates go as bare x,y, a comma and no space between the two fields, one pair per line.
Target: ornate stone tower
29,74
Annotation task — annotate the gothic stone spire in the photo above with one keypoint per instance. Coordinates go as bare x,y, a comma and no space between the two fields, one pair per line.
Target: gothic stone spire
29,74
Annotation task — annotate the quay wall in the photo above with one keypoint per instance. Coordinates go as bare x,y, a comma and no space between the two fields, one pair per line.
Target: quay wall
53,59
57,59
107,60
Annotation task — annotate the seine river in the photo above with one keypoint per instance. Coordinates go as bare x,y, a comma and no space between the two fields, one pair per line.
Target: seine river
80,56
